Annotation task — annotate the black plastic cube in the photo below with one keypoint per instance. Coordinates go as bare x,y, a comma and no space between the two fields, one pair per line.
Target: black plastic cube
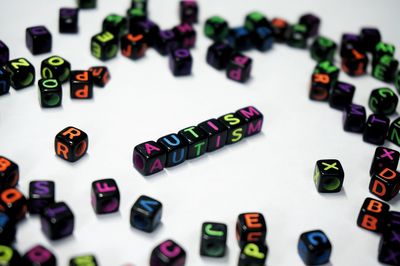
253,254
71,144
328,176
354,117
68,20
38,40
239,68
376,129
4,53
21,72
104,46
213,239
180,62
57,221
236,126
323,49
105,196
146,214
394,132
39,256
314,248
216,28
168,253
7,229
196,139
41,195
216,132
9,173
218,55
384,158
250,228
149,158
55,67
50,92
341,95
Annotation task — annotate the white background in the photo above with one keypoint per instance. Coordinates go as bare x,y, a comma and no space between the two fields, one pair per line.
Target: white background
270,173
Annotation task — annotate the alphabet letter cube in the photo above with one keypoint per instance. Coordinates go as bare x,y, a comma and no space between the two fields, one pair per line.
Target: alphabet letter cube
250,228
213,239
21,72
314,247
146,214
57,221
373,215
81,85
168,253
149,158
328,176
71,144
105,196
41,195
38,40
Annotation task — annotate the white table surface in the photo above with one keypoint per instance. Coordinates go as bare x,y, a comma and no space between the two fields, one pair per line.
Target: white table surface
270,173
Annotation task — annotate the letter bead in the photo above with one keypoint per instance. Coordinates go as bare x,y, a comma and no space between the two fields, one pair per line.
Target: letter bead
218,55
71,144
297,36
166,42
133,46
50,92
217,133
57,221
83,260
147,28
384,158
39,256
239,68
280,28
216,28
189,11
146,214
328,176
38,40
354,117
394,132
115,24
250,228
149,158
168,253
376,129
213,239
21,72
236,126
104,46
373,215
81,85
389,248
55,67
185,35
369,38
341,95
385,184
41,195
7,230
9,256
4,53
101,76
196,139
312,22
4,82
383,101
14,204
105,196
180,62
87,4
314,247
68,20
253,118
323,49
355,62
9,173
239,38
253,254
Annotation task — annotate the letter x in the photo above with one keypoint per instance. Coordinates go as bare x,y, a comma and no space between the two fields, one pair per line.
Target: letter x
387,154
396,237
392,257
329,166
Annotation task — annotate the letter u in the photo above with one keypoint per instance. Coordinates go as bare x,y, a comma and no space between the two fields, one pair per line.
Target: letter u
176,140
181,156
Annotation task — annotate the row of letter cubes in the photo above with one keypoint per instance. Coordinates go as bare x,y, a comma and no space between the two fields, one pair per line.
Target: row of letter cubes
376,217
151,157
